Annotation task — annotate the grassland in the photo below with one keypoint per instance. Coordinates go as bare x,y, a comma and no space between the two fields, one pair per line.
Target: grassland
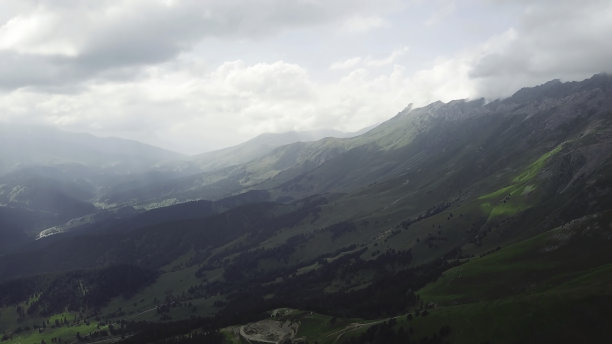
66,334
552,287
518,196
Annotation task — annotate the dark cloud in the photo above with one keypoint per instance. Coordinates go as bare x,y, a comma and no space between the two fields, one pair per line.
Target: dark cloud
19,70
108,34
561,39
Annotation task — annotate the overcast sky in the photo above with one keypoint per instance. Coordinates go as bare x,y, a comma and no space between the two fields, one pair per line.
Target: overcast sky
198,75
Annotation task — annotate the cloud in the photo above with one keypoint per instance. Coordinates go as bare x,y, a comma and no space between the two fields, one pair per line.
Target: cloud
551,41
130,69
189,107
181,107
359,24
445,9
85,39
346,64
369,61
392,58
34,34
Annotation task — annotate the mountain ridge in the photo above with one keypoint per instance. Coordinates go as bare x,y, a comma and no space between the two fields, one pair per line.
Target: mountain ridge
365,226
41,145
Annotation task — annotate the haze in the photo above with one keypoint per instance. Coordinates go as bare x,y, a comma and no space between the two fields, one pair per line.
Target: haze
194,76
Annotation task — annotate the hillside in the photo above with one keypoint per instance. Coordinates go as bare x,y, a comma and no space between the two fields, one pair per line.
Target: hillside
57,176
259,146
552,286
437,220
413,139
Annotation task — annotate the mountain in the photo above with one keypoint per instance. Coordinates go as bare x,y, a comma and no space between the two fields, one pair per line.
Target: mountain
271,169
259,146
57,176
305,168
22,146
214,174
450,222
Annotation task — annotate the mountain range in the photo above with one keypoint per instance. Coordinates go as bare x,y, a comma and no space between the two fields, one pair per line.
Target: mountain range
467,221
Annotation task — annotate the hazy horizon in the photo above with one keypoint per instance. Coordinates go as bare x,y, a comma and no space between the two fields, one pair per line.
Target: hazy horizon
193,76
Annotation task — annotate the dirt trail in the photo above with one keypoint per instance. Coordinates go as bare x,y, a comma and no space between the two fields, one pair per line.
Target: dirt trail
351,327
145,311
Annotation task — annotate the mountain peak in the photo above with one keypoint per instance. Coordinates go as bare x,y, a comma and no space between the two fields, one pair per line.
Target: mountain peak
557,89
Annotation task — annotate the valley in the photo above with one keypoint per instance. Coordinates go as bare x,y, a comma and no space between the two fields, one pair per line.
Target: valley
459,222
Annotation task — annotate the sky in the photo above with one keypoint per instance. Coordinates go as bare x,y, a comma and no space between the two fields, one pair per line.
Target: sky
198,75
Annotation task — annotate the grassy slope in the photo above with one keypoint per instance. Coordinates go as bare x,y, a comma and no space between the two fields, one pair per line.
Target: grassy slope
555,286
178,278
516,197
546,286
67,334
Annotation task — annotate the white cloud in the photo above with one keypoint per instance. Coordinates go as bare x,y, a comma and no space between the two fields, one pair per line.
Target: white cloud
346,64
444,10
32,34
369,61
359,23
127,68
392,58
192,108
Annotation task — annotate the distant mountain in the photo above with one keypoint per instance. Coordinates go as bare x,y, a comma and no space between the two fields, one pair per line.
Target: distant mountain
23,146
259,146
209,168
56,175
44,191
